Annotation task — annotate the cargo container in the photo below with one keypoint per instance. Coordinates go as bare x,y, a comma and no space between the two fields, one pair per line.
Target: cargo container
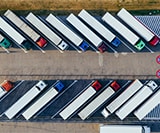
137,26
4,42
43,100
67,32
122,98
148,106
101,29
136,100
123,31
124,129
80,100
85,31
96,103
40,41
14,35
25,99
46,31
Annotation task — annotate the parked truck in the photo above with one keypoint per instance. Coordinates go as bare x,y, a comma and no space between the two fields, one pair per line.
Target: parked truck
14,35
40,41
148,106
5,87
67,32
124,129
122,98
137,26
85,31
47,32
101,29
98,101
136,100
25,99
123,31
80,100
43,100
4,42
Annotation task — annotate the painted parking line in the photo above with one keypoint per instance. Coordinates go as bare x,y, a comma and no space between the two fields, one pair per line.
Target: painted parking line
72,99
79,51
110,47
25,51
6,50
94,48
128,47
75,81
149,49
40,49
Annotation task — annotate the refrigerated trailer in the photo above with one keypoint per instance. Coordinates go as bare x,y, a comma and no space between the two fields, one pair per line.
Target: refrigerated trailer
80,100
96,103
137,26
43,100
14,35
148,106
85,31
40,41
123,31
101,29
25,99
46,31
67,32
136,100
122,98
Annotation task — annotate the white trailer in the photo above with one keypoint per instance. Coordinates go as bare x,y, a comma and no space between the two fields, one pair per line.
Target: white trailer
13,34
25,99
124,129
140,28
148,106
40,41
84,30
101,29
123,31
96,103
122,98
67,32
45,30
136,100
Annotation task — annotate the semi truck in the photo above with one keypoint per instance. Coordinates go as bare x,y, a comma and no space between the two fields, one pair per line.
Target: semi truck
123,31
4,42
67,32
43,100
124,129
148,106
137,26
97,102
80,100
122,98
25,99
136,100
101,29
40,41
14,35
85,31
5,87
47,32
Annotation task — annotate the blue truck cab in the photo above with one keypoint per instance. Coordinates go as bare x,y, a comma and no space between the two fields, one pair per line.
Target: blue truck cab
116,42
59,86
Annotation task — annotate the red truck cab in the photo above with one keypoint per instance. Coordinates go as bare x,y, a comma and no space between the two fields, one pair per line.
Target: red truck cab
41,42
96,85
115,85
7,85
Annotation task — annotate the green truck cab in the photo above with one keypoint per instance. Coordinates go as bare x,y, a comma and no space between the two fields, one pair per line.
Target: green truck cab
4,42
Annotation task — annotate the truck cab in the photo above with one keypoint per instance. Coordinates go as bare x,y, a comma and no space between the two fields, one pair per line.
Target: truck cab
102,48
4,42
59,86
41,42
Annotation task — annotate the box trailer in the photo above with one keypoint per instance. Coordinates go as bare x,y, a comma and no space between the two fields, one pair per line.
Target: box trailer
80,100
25,99
14,35
101,29
40,41
43,100
148,106
96,103
67,32
122,98
4,42
137,26
123,31
46,31
85,31
124,129
136,100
